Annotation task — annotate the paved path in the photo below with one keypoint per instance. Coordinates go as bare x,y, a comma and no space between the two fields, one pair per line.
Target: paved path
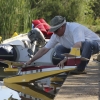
82,87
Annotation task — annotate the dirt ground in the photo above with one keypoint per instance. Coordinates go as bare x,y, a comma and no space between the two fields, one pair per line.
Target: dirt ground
82,87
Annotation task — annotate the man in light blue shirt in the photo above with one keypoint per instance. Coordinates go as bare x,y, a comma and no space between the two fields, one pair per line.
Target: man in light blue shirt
69,35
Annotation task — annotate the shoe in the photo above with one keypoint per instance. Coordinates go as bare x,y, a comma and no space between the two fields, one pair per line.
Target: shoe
77,72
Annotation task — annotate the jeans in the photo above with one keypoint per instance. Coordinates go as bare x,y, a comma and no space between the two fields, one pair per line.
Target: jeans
88,48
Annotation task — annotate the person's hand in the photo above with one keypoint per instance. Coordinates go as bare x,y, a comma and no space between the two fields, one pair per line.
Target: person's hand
27,63
61,63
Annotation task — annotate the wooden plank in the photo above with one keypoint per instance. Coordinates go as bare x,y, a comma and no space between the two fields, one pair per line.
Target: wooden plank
81,87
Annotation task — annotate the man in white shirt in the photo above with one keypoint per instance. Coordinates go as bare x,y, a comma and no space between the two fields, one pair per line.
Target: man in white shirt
69,35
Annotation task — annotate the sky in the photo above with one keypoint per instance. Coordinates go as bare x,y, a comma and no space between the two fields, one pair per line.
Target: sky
5,92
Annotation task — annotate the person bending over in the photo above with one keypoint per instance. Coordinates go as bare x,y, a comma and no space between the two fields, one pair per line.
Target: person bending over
69,35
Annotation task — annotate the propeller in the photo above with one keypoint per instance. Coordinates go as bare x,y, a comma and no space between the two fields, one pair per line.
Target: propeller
70,55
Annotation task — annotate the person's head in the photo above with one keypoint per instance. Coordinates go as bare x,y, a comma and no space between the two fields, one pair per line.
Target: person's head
58,24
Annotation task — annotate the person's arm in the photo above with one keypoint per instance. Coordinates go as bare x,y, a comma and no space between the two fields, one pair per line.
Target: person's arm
76,45
78,36
39,54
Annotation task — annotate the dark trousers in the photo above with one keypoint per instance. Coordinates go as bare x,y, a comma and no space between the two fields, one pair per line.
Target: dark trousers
88,48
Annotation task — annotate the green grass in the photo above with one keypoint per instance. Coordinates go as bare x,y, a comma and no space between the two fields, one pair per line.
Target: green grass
95,28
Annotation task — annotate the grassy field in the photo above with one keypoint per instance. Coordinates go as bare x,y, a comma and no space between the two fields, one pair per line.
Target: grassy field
95,28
